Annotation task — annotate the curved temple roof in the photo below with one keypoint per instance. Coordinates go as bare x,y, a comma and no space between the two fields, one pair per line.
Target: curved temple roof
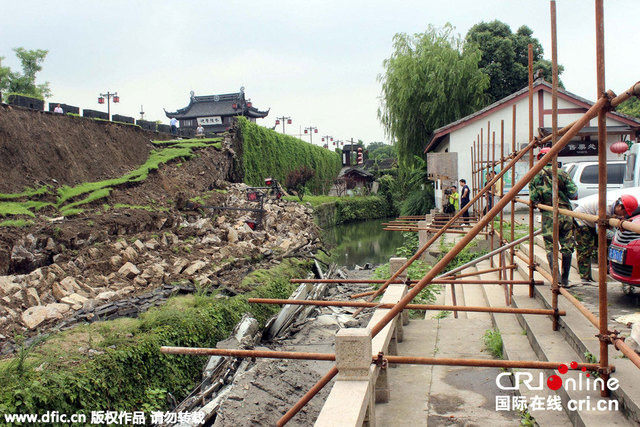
217,105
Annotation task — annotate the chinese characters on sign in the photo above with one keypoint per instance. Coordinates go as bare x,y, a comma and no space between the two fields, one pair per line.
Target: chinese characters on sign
580,148
215,120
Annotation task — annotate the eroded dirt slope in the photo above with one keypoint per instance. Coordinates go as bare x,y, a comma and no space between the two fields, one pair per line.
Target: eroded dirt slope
37,148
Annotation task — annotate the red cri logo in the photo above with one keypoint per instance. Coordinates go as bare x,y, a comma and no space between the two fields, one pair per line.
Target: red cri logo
554,382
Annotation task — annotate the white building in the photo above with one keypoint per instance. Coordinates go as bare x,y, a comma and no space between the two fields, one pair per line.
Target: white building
486,124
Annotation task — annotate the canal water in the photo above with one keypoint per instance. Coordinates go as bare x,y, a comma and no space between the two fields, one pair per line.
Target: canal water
362,242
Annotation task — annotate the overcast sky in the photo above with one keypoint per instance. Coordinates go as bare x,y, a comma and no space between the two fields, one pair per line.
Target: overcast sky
315,61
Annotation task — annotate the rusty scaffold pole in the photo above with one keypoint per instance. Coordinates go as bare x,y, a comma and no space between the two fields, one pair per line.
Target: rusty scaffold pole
492,190
423,307
481,172
402,360
513,178
554,132
602,201
531,242
501,238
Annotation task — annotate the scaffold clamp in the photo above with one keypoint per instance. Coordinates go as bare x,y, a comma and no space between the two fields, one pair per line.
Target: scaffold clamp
381,362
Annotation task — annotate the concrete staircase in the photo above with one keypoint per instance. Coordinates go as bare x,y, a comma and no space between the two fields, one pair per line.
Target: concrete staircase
530,337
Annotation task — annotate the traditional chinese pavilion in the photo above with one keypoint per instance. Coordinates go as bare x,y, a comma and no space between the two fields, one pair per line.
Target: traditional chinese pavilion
215,112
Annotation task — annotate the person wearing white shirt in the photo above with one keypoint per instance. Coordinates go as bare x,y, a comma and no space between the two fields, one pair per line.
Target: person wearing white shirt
58,109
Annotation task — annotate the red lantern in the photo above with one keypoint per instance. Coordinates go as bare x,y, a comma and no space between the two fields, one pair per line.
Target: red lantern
101,100
116,98
322,139
334,143
235,106
306,131
289,121
277,122
315,131
249,104
332,140
619,147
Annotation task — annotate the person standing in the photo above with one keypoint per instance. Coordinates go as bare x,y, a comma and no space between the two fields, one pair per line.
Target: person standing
488,177
200,131
541,191
465,194
586,232
454,198
58,109
174,126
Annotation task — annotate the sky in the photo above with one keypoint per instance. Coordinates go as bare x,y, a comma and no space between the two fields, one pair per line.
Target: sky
317,62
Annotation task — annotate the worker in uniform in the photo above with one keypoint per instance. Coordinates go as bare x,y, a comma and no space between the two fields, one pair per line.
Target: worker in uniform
541,192
586,231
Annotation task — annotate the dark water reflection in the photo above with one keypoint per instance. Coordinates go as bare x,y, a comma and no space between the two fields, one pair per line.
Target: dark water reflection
362,242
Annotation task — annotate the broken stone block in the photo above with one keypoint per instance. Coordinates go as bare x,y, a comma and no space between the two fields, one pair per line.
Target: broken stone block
34,316
195,267
32,297
115,260
129,270
105,296
74,299
139,245
59,291
130,254
70,284
94,253
8,286
151,244
232,235
140,282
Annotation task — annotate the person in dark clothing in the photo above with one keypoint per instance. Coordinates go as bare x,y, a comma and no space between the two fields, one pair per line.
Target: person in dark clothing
465,194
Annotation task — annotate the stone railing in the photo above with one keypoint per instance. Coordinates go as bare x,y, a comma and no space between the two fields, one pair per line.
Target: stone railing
360,384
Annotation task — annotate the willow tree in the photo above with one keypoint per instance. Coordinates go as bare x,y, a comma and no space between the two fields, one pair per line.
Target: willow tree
430,80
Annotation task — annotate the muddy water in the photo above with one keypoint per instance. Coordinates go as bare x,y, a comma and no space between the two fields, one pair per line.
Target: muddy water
363,242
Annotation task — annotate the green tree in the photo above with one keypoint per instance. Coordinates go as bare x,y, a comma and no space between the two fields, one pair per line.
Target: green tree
428,81
25,83
630,107
505,57
384,151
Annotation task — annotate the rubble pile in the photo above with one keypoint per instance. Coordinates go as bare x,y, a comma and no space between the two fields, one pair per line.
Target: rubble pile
207,248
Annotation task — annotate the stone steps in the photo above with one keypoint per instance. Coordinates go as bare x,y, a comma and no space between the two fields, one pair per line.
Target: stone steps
578,338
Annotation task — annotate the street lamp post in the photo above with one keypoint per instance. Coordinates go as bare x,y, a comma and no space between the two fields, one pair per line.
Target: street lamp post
327,139
283,118
311,130
109,95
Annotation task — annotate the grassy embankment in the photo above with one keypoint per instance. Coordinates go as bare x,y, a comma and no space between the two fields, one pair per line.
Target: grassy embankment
19,207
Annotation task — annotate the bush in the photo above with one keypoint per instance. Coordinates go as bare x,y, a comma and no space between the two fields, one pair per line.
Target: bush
297,180
266,153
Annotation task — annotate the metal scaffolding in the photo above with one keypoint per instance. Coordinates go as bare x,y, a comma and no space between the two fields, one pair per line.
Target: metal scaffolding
483,225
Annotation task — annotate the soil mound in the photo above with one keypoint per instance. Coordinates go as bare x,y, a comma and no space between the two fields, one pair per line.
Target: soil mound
38,148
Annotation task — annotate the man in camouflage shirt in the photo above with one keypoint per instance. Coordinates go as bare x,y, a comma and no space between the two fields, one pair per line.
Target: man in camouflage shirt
541,191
